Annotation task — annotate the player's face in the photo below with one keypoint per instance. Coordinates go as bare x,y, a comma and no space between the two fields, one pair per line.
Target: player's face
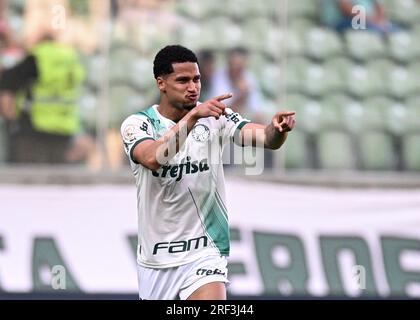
182,87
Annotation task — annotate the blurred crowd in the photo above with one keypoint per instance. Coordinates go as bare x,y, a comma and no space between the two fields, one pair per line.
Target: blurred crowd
346,14
42,75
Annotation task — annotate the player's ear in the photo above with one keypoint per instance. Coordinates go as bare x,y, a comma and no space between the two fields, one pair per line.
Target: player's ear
161,83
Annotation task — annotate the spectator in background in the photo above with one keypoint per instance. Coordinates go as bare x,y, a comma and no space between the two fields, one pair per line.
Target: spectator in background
3,8
38,98
207,61
339,14
10,52
67,21
247,97
236,78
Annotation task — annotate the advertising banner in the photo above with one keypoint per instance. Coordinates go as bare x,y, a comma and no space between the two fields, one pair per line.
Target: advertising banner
285,240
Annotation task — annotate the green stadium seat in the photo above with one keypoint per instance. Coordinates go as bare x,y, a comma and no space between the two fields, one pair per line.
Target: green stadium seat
397,118
270,79
375,113
121,60
310,116
386,119
399,80
271,106
363,81
405,12
277,45
364,45
335,113
342,111
294,72
208,34
94,73
296,151
272,8
195,36
411,134
137,71
376,151
411,151
322,43
123,101
197,9
244,9
335,151
292,42
256,33
148,38
415,31
128,67
297,102
312,79
340,64
257,62
404,46
121,50
413,114
299,8
414,70
88,108
319,80
300,25
227,33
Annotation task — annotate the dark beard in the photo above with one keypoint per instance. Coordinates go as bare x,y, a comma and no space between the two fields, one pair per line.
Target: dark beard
189,107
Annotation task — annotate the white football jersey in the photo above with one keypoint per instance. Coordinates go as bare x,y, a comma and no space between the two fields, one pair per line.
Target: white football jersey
182,214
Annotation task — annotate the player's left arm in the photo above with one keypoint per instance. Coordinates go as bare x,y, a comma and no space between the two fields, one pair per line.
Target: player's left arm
271,136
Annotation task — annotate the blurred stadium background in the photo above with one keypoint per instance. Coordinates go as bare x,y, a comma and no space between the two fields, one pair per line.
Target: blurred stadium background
343,192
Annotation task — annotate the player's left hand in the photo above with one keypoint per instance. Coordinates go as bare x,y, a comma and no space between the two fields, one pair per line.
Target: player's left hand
284,121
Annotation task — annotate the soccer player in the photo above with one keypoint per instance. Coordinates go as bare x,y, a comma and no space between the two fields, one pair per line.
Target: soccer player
183,238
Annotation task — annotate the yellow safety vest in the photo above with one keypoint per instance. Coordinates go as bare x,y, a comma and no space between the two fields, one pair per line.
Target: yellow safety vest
54,106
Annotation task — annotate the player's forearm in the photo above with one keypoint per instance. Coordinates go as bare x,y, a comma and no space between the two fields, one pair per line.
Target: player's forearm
274,139
169,144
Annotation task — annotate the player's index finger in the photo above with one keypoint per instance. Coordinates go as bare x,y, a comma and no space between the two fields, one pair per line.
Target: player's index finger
288,113
224,96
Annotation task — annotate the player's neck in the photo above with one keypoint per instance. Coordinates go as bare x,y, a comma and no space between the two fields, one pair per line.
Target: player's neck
170,112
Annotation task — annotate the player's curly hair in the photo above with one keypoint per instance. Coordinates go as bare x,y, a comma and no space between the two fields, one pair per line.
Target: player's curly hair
171,54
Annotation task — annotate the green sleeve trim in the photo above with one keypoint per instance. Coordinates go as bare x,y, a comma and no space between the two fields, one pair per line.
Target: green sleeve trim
239,128
134,145
242,124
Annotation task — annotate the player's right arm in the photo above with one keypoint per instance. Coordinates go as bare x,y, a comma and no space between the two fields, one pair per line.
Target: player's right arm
152,153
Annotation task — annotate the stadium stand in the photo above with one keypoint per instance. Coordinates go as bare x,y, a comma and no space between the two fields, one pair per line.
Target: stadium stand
357,89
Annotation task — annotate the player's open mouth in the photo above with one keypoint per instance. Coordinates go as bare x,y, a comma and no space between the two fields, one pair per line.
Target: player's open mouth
193,97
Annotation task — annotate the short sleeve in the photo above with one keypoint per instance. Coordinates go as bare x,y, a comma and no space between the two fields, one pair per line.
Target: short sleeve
233,124
135,129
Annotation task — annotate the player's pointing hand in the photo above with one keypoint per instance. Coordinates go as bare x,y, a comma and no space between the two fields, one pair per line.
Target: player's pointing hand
213,107
284,121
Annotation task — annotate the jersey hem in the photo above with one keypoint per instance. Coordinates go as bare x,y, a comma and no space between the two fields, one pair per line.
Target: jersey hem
175,264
